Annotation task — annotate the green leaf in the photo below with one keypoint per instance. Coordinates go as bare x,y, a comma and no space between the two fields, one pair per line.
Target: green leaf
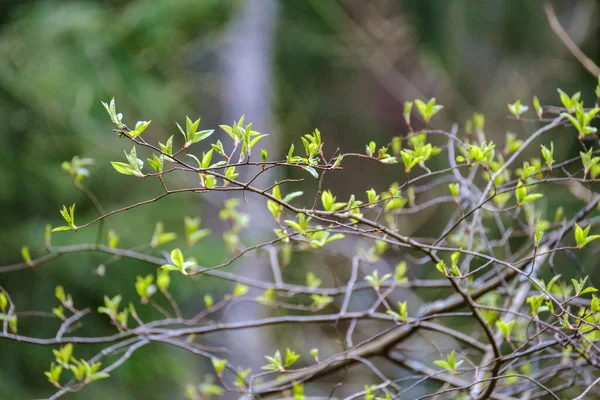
375,281
408,105
230,173
517,109
291,196
54,374
552,282
156,162
327,199
200,136
520,192
61,228
548,155
113,239
163,280
3,302
421,107
267,297
312,281
256,139
506,328
169,267
443,364
206,158
177,258
403,312
240,290
441,266
337,161
63,354
123,168
26,255
320,301
572,120
98,376
112,111
160,237
537,107
144,287
454,189
532,197
588,290
581,236
290,357
219,365
167,148
312,171
139,128
208,301
275,362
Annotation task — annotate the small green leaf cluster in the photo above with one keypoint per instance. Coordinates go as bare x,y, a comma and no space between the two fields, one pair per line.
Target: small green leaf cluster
191,134
159,236
243,134
589,163
400,273
512,143
83,371
529,169
276,362
178,263
402,314
453,270
475,125
237,221
522,196
69,217
375,280
111,308
76,168
428,110
449,363
276,207
320,301
12,318
133,166
548,155
421,152
472,153
193,233
140,127
517,109
394,200
582,236
329,203
66,301
112,111
145,287
506,328
581,120
382,154
375,252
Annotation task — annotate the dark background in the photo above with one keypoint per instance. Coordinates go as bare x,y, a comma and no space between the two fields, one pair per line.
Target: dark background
343,66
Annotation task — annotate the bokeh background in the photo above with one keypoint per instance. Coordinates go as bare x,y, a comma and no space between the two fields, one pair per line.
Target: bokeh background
342,66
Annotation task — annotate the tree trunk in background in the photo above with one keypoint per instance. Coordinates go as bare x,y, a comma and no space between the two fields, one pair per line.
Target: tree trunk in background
247,61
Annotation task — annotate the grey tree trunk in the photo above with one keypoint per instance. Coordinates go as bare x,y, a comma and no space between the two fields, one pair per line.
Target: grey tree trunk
247,60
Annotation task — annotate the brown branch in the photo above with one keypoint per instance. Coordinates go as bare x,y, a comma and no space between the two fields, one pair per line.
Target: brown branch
587,63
